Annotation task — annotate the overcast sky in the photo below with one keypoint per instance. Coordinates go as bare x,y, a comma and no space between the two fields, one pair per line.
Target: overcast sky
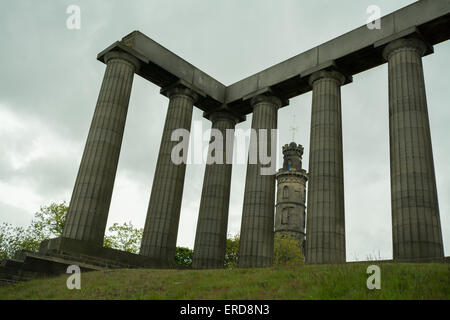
50,79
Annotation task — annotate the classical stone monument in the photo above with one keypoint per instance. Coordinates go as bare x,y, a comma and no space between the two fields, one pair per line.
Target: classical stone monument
290,218
405,37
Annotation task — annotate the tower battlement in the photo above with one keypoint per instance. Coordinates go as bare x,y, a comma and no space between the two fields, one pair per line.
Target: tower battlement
293,147
292,157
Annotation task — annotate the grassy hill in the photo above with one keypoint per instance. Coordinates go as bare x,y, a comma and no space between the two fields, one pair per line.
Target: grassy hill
398,281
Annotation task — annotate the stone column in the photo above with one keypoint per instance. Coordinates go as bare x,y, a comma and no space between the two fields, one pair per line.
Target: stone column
257,227
91,197
325,229
416,228
211,235
163,215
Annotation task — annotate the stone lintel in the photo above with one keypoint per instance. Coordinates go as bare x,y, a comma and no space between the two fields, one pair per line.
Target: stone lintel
353,52
164,67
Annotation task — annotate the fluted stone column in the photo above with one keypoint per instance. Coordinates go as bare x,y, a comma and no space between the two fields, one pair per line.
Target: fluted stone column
211,234
91,198
163,215
416,227
257,227
325,230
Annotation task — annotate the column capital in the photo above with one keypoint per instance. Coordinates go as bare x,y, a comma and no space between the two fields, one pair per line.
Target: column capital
221,114
180,90
327,74
262,98
413,43
112,55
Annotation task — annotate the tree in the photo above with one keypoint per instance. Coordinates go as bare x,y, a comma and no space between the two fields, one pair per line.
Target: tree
287,251
124,237
183,256
232,252
12,239
48,223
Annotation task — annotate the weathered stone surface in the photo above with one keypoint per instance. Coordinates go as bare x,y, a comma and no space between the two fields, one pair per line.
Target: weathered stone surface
211,234
89,206
325,231
163,215
416,227
256,239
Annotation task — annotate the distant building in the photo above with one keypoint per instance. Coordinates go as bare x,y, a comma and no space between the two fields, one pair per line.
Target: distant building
291,194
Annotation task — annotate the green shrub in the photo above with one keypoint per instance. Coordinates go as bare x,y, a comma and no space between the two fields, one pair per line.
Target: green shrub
287,251
232,252
124,237
183,256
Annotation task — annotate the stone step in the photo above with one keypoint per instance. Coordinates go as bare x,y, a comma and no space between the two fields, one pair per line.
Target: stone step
55,265
28,265
16,277
9,275
11,263
8,272
110,264
34,265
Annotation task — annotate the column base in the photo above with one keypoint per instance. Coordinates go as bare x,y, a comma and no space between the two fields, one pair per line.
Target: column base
87,252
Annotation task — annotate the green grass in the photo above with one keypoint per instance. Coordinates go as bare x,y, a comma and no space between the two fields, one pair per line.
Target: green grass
398,281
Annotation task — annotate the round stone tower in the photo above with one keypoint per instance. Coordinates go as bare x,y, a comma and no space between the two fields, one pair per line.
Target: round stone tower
291,194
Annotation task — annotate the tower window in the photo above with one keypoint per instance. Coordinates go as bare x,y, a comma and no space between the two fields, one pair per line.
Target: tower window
286,192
